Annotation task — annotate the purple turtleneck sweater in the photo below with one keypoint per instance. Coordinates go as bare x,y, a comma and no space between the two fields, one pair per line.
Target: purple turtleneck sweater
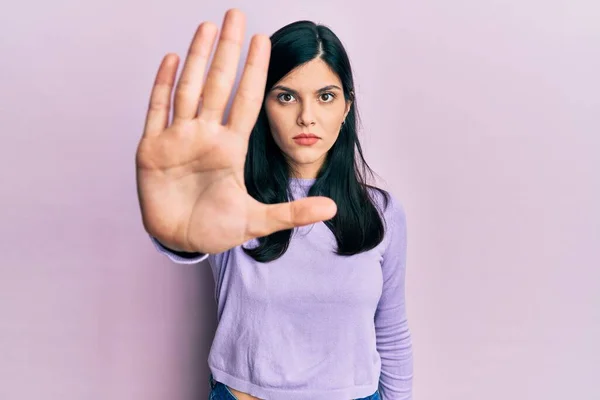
312,324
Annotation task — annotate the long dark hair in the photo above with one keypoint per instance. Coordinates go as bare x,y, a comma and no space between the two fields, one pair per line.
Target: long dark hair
357,225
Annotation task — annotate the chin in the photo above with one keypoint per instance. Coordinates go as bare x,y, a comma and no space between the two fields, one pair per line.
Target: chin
306,156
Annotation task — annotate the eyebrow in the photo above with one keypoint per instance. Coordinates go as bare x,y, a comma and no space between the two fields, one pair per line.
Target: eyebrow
323,89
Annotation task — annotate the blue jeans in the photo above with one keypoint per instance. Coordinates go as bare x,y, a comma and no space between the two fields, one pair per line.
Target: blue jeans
219,391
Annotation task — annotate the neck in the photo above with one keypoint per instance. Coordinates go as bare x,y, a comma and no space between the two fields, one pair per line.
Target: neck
305,171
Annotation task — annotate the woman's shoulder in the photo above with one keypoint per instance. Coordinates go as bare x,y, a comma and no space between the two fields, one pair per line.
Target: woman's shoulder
393,214
387,203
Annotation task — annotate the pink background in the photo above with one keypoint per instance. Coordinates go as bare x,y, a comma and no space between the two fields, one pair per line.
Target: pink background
481,116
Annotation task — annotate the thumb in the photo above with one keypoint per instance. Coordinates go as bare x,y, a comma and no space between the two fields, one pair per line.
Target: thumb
270,218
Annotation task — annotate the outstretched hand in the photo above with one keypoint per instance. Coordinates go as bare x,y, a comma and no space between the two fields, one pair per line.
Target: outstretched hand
190,172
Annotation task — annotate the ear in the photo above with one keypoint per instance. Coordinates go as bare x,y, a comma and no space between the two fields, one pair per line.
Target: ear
348,105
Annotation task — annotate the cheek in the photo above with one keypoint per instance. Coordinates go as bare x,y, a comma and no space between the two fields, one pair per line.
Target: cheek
277,125
281,120
333,115
333,124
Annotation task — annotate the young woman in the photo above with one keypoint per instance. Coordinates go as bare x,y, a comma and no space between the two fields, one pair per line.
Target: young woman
309,260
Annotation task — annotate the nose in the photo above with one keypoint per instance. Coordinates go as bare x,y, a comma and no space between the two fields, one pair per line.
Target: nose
307,116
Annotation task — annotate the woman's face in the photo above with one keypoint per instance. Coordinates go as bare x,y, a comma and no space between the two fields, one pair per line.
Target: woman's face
309,100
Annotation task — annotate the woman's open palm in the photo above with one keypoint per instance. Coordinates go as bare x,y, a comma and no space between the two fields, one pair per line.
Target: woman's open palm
190,171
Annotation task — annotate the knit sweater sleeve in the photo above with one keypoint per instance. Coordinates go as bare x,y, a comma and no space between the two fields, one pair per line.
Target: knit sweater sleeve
177,256
391,325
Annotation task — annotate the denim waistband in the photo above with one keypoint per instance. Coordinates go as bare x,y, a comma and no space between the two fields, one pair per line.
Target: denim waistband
219,391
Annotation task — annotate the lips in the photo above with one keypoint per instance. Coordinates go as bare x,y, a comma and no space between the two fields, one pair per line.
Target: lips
306,139
306,135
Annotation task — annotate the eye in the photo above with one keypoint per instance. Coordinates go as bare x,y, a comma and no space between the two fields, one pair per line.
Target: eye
285,98
329,97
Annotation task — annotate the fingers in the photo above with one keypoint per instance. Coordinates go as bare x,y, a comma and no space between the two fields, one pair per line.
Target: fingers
221,75
276,217
189,86
248,99
159,107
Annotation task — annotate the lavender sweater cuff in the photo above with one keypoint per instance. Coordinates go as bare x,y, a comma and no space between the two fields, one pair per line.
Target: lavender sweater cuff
179,257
